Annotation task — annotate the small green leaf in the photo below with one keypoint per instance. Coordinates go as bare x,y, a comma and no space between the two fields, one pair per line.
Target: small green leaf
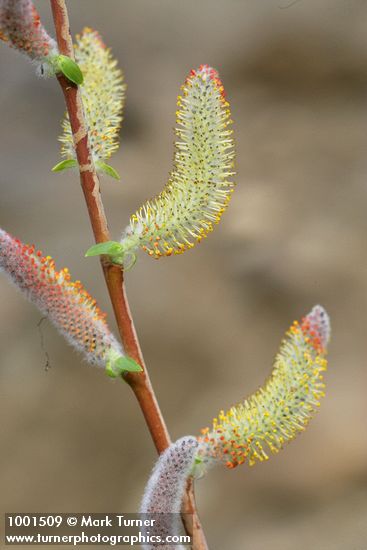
64,165
107,169
127,364
70,69
110,372
122,364
110,248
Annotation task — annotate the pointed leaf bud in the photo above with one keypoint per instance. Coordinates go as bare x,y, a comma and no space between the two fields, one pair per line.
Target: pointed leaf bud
64,165
108,170
69,68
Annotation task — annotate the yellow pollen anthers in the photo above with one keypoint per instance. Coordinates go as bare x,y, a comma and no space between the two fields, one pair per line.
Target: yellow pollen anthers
200,187
279,410
103,94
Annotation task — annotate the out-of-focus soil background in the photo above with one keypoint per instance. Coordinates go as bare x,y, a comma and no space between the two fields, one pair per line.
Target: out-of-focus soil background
209,321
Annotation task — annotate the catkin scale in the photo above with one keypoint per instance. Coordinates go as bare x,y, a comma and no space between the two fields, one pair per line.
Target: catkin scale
67,304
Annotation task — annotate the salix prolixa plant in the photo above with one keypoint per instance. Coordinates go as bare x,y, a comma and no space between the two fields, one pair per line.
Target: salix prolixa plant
198,191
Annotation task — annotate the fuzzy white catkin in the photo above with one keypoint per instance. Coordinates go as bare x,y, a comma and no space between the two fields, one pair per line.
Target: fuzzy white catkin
165,489
66,303
21,28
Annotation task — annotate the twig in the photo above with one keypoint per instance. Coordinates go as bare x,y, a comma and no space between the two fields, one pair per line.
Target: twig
139,382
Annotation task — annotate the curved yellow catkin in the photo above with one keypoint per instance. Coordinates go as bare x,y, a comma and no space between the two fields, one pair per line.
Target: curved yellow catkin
103,94
200,186
279,410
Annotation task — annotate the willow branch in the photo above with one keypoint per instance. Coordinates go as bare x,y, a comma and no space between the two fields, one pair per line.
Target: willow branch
114,277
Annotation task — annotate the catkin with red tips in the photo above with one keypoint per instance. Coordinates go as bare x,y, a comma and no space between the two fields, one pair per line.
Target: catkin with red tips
279,410
21,27
200,186
66,303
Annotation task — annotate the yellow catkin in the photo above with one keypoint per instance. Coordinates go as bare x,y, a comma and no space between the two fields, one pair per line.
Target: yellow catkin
279,410
103,94
200,187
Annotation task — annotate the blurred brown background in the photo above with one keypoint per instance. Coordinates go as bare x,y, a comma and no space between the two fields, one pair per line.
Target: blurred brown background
209,321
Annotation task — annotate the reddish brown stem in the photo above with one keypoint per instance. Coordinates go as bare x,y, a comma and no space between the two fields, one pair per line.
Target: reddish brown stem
139,382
